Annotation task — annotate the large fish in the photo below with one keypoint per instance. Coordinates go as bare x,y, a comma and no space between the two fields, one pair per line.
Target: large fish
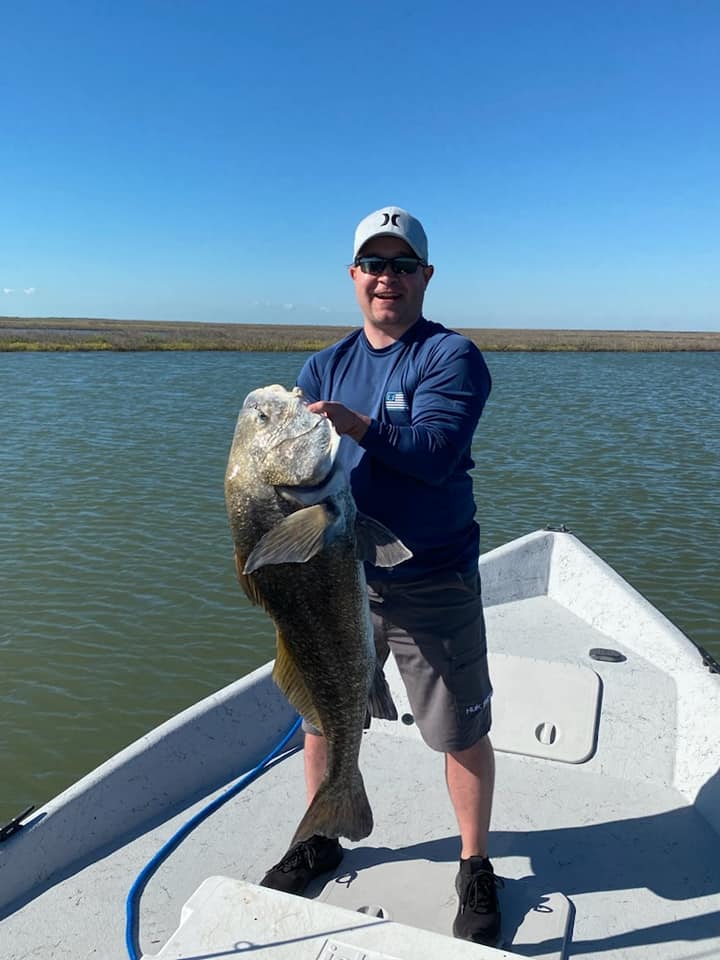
300,544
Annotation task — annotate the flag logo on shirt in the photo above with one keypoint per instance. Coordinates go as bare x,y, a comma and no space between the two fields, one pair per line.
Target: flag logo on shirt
396,400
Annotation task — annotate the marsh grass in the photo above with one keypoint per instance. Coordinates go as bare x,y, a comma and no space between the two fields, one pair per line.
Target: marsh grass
65,334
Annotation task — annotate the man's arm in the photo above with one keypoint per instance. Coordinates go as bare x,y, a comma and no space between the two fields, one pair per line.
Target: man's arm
447,405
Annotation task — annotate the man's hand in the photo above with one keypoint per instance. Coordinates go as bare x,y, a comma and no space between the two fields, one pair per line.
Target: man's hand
345,421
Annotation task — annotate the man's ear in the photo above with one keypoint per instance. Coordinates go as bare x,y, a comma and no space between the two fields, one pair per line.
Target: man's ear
427,273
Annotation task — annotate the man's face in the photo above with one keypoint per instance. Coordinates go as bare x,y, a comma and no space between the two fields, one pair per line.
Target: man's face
391,302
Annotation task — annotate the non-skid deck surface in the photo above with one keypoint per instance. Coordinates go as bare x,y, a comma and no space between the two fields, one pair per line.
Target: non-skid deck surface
617,851
650,858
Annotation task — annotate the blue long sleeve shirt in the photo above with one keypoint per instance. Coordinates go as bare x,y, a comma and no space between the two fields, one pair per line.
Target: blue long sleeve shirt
424,393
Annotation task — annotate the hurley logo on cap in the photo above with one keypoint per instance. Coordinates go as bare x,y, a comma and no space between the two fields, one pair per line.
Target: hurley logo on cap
392,222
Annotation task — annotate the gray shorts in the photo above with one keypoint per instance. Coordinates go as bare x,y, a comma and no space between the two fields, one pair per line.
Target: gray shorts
435,629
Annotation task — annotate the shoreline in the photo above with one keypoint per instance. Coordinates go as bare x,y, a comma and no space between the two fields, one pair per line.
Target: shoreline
66,334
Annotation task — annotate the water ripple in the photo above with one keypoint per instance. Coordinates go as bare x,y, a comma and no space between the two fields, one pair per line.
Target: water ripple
118,599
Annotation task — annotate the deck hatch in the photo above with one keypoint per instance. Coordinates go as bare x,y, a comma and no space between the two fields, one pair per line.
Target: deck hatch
543,708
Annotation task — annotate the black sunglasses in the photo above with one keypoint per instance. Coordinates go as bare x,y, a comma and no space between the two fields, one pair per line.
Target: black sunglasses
377,265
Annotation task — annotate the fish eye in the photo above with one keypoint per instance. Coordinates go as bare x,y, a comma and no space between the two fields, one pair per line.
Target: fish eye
258,411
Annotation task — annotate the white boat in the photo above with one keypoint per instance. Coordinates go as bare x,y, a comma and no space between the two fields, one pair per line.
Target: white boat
606,823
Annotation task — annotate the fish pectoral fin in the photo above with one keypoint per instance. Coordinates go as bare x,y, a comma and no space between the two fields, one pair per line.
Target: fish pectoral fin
292,683
295,539
377,544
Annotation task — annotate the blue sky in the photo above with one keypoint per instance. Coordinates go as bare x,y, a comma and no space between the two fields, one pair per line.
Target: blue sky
209,160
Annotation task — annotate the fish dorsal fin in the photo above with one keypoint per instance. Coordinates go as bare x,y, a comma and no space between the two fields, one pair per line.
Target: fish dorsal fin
287,676
377,545
295,539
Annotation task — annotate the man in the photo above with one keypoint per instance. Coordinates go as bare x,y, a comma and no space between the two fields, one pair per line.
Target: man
406,394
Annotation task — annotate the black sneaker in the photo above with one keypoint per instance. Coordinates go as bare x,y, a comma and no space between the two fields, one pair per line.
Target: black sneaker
302,863
478,916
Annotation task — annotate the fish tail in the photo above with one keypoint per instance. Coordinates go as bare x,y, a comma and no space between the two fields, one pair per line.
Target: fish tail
380,701
337,810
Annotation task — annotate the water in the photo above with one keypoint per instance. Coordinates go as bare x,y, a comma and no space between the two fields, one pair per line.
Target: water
118,599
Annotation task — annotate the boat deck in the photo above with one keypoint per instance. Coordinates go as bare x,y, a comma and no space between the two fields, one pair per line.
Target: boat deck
620,867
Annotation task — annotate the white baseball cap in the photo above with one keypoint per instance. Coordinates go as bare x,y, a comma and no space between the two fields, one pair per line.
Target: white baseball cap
392,222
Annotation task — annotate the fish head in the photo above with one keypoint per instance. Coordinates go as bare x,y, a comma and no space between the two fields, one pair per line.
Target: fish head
278,441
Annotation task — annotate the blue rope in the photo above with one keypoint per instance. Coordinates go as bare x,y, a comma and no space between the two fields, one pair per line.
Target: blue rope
132,923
